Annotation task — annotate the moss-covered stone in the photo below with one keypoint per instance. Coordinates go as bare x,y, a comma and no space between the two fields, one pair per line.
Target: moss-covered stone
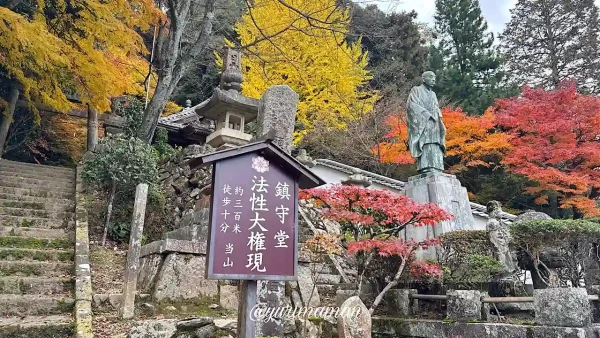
199,306
16,254
35,243
39,332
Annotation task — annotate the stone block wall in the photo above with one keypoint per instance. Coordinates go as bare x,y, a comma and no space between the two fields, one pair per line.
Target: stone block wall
185,190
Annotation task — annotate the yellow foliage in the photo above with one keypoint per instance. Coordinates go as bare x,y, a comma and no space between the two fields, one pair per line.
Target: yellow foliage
310,55
87,47
171,108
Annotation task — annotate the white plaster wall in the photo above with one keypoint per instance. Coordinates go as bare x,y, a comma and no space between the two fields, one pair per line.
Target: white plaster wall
332,176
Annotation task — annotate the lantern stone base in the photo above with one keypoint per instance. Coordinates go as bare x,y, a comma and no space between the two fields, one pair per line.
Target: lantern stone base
228,137
447,192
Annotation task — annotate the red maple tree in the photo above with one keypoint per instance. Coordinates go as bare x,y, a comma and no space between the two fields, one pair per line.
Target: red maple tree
556,143
373,219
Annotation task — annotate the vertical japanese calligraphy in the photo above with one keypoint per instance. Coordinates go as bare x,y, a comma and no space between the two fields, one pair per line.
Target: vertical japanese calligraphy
253,220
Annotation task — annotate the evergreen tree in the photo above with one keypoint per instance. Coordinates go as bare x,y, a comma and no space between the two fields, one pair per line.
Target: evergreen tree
397,51
550,41
469,70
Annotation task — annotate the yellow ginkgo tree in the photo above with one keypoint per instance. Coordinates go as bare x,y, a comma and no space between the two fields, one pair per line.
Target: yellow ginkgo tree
301,43
89,49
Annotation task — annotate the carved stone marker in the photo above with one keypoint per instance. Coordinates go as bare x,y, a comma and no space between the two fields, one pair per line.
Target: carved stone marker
277,111
135,247
354,320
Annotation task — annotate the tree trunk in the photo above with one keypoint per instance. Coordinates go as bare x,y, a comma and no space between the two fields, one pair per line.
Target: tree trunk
8,118
92,128
157,104
388,287
111,199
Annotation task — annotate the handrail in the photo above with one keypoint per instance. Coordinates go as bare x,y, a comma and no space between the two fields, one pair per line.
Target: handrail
490,299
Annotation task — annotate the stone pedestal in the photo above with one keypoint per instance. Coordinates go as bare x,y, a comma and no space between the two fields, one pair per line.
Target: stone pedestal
562,307
445,191
399,302
464,305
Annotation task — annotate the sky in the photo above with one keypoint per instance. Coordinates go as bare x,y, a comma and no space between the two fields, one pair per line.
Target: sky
496,12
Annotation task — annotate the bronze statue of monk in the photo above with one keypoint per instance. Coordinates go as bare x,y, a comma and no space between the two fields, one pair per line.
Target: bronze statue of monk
426,131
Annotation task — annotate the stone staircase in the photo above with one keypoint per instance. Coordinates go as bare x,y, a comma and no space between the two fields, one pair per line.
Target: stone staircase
37,226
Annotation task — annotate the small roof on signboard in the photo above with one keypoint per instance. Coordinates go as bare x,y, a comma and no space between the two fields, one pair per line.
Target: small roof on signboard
306,178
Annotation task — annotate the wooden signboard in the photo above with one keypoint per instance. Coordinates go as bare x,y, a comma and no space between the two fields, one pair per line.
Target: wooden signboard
253,233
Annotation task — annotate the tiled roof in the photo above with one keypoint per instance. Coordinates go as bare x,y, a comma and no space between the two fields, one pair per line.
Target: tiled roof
476,209
184,118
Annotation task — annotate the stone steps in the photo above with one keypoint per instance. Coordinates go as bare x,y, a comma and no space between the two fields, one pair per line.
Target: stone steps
54,201
26,212
36,167
36,285
35,192
33,269
32,232
54,326
34,305
37,222
44,206
325,278
42,182
45,187
9,172
36,250
35,243
20,254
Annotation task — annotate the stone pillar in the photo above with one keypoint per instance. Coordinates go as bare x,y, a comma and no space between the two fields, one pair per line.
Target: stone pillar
92,128
400,303
562,307
445,191
135,247
277,113
8,118
464,305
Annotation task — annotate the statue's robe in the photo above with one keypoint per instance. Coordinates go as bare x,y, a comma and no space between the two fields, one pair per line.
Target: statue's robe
426,131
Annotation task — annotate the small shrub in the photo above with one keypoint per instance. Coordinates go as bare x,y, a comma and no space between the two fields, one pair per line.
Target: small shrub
161,144
119,231
120,166
467,258
571,240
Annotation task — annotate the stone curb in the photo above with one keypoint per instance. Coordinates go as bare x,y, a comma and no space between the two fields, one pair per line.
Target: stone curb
83,276
173,245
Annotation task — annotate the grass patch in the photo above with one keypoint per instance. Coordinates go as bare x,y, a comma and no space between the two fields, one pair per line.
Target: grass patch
42,332
35,243
17,254
21,269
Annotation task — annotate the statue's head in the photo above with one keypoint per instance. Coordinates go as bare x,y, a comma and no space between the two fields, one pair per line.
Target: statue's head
429,78
494,209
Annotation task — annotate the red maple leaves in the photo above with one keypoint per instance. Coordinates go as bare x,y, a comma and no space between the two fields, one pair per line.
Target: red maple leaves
370,207
555,142
375,219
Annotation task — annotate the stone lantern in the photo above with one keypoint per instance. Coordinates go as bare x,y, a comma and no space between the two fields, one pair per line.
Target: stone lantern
230,110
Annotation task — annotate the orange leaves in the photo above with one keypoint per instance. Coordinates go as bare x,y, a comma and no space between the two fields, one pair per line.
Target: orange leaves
555,143
89,47
471,140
